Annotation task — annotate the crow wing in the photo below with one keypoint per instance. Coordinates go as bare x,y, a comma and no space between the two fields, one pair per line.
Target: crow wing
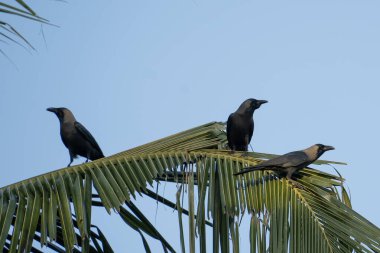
87,136
292,159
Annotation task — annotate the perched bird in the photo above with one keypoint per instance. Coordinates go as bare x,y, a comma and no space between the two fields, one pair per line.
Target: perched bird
291,162
240,125
77,139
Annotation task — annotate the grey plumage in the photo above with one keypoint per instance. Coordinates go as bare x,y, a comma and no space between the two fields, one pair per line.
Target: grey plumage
240,125
77,139
291,162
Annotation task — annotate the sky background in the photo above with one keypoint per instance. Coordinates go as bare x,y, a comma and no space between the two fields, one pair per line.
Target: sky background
136,71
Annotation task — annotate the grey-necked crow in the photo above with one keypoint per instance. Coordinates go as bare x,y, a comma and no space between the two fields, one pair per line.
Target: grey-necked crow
291,162
77,139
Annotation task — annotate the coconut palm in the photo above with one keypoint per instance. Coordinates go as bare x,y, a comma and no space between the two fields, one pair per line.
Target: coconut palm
55,208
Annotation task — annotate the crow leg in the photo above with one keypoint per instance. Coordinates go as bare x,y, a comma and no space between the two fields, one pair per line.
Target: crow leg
71,159
87,158
290,173
289,177
245,149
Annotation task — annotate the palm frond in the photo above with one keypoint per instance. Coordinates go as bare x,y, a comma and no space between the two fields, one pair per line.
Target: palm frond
310,218
20,9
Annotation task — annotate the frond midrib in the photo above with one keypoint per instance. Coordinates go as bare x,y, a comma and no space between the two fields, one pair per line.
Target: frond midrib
316,219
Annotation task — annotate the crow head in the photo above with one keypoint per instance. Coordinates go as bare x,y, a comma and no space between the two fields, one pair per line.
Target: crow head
322,149
250,105
61,112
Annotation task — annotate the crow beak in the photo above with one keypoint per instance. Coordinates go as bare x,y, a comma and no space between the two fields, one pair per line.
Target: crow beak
52,109
262,102
327,148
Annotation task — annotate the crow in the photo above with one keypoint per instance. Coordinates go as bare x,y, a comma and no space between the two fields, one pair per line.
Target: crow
291,162
77,139
240,125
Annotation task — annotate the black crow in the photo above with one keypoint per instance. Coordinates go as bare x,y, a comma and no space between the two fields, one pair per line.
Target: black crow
240,125
77,139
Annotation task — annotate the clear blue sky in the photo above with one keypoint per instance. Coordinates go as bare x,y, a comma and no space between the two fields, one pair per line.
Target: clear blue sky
135,71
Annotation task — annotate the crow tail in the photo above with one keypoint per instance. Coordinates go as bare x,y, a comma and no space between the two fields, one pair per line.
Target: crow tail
248,169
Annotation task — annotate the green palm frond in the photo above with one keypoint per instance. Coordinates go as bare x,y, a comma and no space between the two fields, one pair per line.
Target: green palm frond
19,9
284,217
